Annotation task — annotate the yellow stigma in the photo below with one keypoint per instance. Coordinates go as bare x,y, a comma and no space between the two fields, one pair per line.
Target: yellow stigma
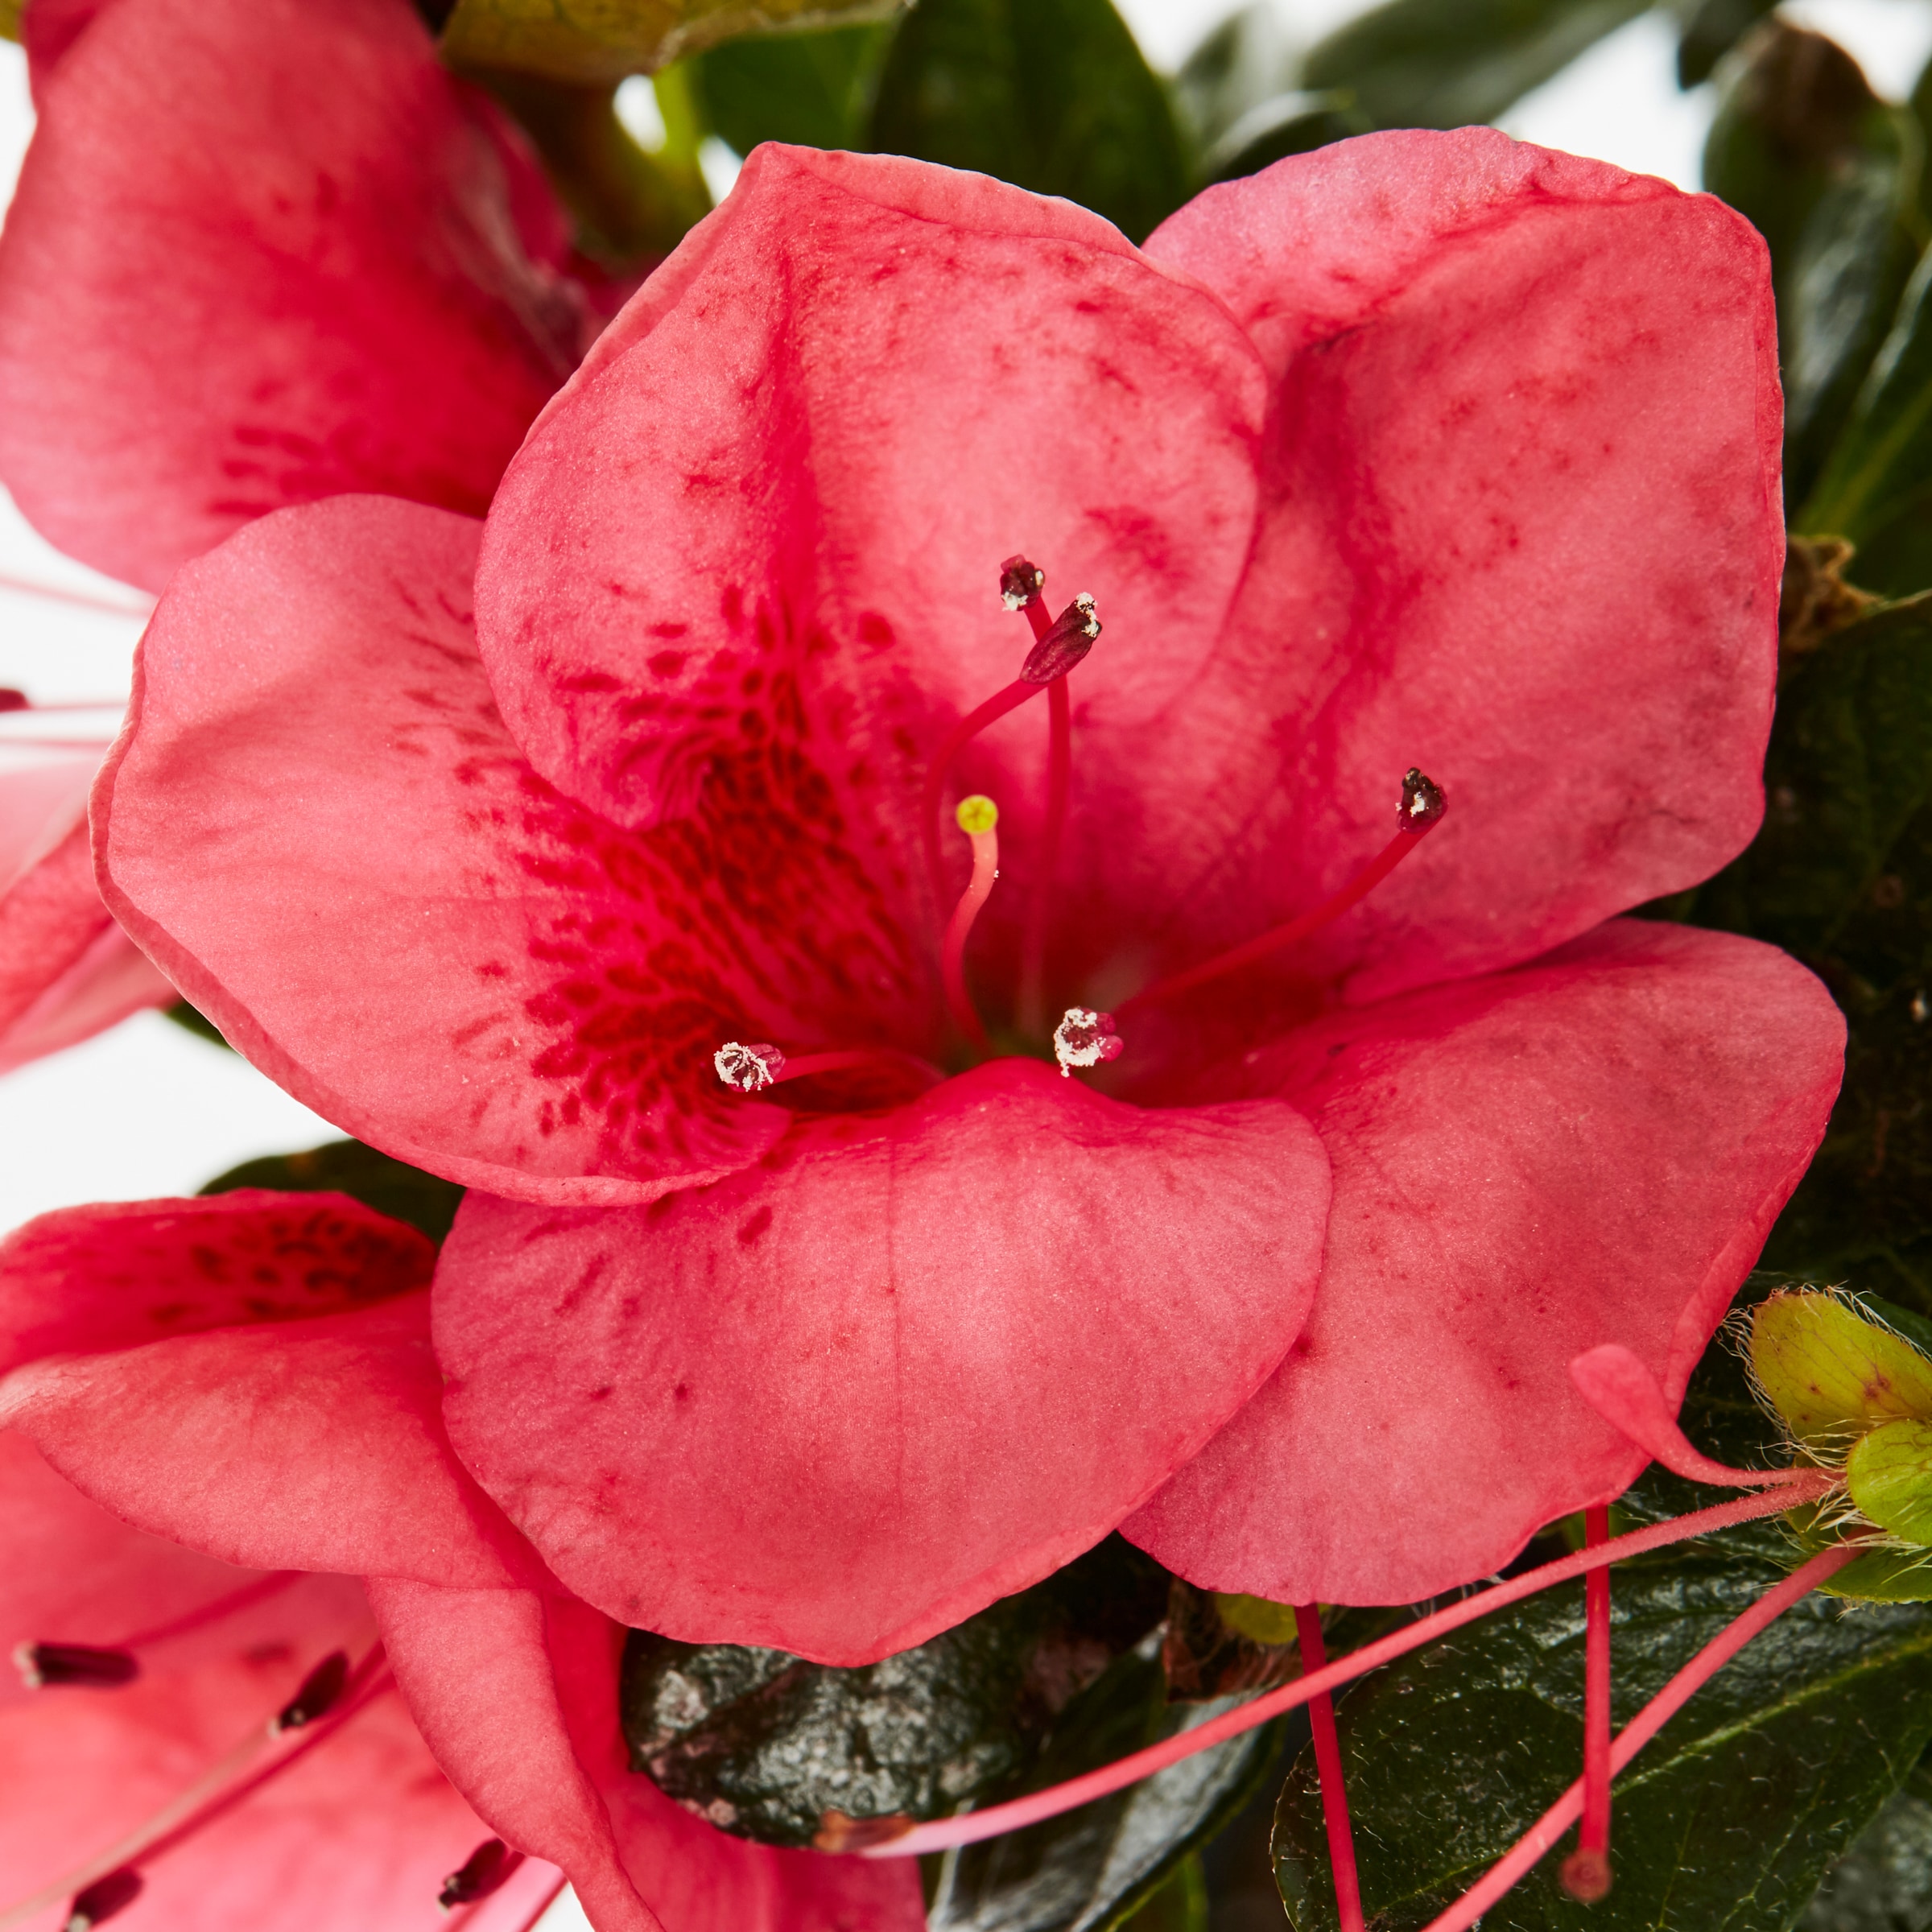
977,814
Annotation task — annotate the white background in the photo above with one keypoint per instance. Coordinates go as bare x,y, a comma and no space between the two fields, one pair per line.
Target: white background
148,1110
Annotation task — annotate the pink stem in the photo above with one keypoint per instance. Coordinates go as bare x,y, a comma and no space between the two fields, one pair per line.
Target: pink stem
1515,1864
804,1065
1587,1872
1059,771
972,1826
1328,1769
1331,909
969,728
952,953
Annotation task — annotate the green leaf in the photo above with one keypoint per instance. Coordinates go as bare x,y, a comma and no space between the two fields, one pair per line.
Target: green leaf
1841,875
1889,1475
1449,62
390,1186
812,90
1090,1868
1724,1824
1289,124
1829,176
1245,61
1714,28
770,1747
1050,94
603,40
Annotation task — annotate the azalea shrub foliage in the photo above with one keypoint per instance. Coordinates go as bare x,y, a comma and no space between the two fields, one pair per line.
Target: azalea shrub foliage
896,1245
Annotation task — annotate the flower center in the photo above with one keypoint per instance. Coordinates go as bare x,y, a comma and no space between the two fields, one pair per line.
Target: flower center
1083,1038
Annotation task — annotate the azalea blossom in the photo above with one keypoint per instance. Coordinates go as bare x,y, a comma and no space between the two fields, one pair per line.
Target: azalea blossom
1390,456
265,1361
258,253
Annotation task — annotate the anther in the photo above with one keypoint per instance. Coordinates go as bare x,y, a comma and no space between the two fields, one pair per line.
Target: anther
16,700
1020,582
487,1868
1085,1038
748,1069
40,1665
99,1902
1422,802
316,1697
1069,640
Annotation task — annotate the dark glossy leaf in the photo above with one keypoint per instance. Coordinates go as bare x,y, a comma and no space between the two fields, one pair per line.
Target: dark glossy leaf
1829,176
1246,60
1841,874
1052,94
1449,62
1714,28
1179,1904
1884,1883
1289,124
425,1201
1084,1871
191,1019
812,90
1725,1824
769,1747
600,41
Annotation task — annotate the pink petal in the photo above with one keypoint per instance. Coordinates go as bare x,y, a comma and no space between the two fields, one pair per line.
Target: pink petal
67,970
115,1276
263,251
1588,1150
784,485
1622,1391
910,1363
474,1666
312,1445
556,1777
1523,529
432,949
356,1840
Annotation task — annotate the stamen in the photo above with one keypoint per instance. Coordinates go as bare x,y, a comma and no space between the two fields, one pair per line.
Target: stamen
86,600
972,1828
1032,1006
229,1782
752,1069
1085,1038
979,818
1057,647
1517,1863
40,1665
101,1900
1328,1770
484,1871
1422,806
11,699
1586,1870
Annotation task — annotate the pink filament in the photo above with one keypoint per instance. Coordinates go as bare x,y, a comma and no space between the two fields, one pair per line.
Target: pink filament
1328,1768
236,1600
969,728
1589,1874
1330,910
1514,1865
215,1793
952,953
970,1827
86,600
806,1064
1059,772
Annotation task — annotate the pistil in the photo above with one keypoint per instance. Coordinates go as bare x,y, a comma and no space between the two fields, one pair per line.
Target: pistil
1421,810
979,818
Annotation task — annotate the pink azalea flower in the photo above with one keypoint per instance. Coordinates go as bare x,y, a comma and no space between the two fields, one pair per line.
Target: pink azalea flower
265,1362
1424,450
259,254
